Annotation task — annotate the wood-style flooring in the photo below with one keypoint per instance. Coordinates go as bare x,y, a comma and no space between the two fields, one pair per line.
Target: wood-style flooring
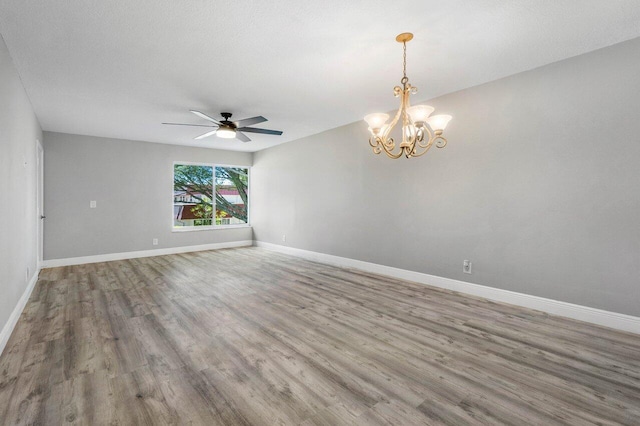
249,336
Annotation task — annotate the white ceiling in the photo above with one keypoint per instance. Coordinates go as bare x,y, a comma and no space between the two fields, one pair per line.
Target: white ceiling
119,68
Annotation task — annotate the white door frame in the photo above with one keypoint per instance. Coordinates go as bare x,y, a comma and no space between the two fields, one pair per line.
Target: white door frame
40,200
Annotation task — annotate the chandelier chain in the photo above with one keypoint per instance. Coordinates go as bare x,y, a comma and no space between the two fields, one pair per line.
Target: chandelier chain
404,63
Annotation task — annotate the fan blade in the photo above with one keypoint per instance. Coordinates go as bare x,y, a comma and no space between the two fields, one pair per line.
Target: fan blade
184,124
206,134
242,137
205,116
250,121
263,131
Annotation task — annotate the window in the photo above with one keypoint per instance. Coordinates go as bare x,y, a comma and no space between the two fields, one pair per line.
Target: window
210,195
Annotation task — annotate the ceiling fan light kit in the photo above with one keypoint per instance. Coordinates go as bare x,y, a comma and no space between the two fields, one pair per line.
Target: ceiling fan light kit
420,129
226,132
228,129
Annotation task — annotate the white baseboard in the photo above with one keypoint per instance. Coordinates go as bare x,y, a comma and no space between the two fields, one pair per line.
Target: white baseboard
52,263
582,313
17,311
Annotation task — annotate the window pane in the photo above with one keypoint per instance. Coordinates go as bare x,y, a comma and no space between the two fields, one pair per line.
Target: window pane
232,189
192,195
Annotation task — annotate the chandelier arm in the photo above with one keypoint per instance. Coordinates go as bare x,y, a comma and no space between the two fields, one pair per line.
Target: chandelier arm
418,140
425,148
442,141
397,90
389,143
374,141
426,136
376,144
437,139
389,147
390,154
379,145
407,122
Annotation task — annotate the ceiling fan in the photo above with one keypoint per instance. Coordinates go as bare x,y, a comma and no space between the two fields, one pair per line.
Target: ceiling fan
228,129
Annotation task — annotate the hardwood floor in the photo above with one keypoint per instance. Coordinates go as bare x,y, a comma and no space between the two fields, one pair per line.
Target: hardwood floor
248,336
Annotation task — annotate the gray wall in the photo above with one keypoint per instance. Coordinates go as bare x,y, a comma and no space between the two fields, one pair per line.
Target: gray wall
539,187
19,130
131,182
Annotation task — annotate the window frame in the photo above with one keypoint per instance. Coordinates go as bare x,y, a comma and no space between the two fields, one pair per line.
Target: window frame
211,227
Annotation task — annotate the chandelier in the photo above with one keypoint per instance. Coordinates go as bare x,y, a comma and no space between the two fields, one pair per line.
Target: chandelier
420,129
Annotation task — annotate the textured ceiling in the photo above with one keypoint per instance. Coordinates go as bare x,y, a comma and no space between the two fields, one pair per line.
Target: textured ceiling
120,68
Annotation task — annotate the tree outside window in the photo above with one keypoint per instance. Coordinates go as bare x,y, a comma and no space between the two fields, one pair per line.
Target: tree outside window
199,190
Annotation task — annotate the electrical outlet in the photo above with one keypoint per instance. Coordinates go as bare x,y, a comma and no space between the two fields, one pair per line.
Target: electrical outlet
155,241
92,204
28,273
466,267
284,238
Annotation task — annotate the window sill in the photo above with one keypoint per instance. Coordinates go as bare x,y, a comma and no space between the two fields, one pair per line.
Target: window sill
207,228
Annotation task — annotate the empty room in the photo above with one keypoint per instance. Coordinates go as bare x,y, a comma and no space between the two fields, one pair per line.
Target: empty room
415,212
